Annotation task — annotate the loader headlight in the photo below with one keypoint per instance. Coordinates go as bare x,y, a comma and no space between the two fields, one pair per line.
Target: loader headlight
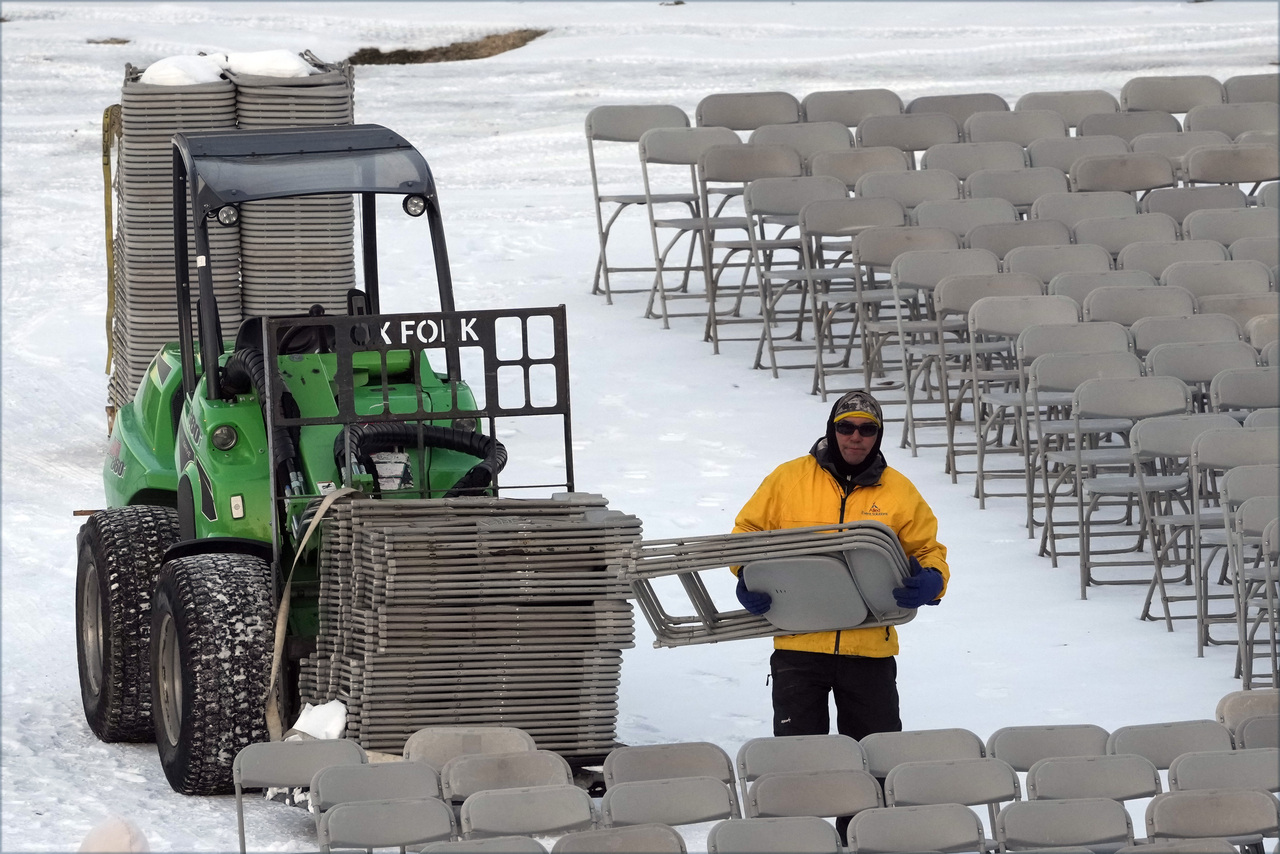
224,438
228,215
415,205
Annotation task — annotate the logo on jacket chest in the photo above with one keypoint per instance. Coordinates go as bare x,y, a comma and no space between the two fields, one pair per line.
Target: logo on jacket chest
874,510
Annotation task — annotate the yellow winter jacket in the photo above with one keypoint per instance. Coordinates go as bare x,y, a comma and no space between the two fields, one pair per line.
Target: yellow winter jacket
801,493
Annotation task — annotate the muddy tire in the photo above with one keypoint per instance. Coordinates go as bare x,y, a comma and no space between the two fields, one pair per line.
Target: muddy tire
118,558
212,630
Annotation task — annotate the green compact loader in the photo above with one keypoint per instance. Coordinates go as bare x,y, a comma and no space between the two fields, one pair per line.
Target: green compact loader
196,589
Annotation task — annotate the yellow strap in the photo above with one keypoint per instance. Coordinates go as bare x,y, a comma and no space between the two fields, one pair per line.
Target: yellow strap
274,727
110,133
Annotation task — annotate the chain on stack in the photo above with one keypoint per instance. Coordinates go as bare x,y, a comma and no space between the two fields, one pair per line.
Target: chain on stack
475,611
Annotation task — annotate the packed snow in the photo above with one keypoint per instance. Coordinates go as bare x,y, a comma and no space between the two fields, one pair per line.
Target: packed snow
662,427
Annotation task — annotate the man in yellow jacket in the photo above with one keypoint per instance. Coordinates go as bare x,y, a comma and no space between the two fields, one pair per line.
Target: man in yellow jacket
844,478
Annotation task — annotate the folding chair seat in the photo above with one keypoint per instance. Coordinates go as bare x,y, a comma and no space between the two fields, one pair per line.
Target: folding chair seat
1069,821
908,188
1265,250
673,802
1261,330
1210,278
1235,707
910,830
1177,202
1045,262
291,764
960,215
1196,363
647,838
907,132
807,138
1070,208
964,158
849,106
1128,173
1240,391
1024,746
1252,507
389,823
1241,307
1079,285
1114,233
747,110
339,784
959,107
971,782
1228,226
463,776
759,756
885,750
1176,145
851,164
1018,126
1000,237
1244,817
488,845
1235,119
1155,257
825,793
1061,152
1258,768
528,811
1072,104
791,835
1242,164
1126,305
671,761
1245,88
1021,187
625,124
1128,124
1171,93
1149,331
438,744
1120,777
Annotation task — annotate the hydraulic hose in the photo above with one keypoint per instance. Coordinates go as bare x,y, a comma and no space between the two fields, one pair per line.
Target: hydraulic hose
246,369
367,439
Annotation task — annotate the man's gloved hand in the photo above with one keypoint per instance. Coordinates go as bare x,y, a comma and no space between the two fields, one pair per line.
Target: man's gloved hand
922,587
755,603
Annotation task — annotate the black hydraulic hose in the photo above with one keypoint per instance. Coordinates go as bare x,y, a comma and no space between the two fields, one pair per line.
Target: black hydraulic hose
371,438
246,369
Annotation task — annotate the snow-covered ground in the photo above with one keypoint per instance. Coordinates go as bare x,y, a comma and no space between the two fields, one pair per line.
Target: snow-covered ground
663,428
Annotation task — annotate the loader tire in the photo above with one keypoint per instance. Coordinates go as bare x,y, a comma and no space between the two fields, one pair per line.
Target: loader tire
212,629
118,558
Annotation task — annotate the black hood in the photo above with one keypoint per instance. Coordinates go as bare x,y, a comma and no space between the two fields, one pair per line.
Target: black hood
827,452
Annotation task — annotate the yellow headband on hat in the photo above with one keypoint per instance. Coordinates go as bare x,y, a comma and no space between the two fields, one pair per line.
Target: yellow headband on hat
857,414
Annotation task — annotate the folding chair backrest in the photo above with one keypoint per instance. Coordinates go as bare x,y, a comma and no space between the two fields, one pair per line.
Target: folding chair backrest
807,138
1171,93
438,744
1257,768
825,793
1055,372
1269,417
960,215
1261,730
878,246
1023,746
849,106
788,196
1234,708
964,158
1212,813
1129,124
376,781
1069,208
737,164
1176,145
1243,483
747,110
1241,307
907,132
1007,316
887,749
1118,777
1079,284
1000,237
1088,338
959,107
533,811
490,845
1245,389
935,827
1264,249
1020,126
793,835
1127,173
1071,821
1173,435
628,122
1238,163
1177,202
759,756
1262,329
1235,119
682,146
1114,233
851,164
650,838
1127,305
1198,362
1021,187
1045,262
394,822
1229,225
1156,257
683,800
925,268
1073,105
1130,397
909,188
667,761
957,294
465,775
1208,278
1223,449
955,781
1153,330
1246,88
1179,846
847,217
1163,742
1061,152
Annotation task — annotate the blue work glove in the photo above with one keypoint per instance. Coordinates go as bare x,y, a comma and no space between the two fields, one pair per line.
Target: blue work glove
921,587
755,603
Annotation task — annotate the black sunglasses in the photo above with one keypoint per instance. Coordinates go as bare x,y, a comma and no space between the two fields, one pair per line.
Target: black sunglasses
848,428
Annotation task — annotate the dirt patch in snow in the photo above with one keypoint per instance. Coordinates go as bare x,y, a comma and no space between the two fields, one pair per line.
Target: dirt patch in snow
477,49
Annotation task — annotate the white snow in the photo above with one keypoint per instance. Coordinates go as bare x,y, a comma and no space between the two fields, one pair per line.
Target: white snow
662,427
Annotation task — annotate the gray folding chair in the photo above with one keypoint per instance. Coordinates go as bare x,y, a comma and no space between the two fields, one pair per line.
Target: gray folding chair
907,132
826,793
792,835
338,784
886,749
625,124
1127,305
1070,208
1263,417
1020,187
964,158
807,138
908,188
1155,258
834,752
438,744
531,811
1071,821
1020,126
1114,233
1210,278
489,845
1128,124
1240,391
632,839
747,110
1177,202
674,802
1171,93
960,215
1135,173
1023,746
670,761
849,106
389,823
292,764
1045,262
1262,330
1241,307
1244,817
1072,104
1161,743
1235,119
971,782
1257,768
1157,329
910,830
1236,707
1061,152
960,107
1263,249
1000,237
1269,195
463,776
1176,145
1246,88
1180,846
1120,777
1229,225
1261,730
1240,164
1196,363
1251,533
851,164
